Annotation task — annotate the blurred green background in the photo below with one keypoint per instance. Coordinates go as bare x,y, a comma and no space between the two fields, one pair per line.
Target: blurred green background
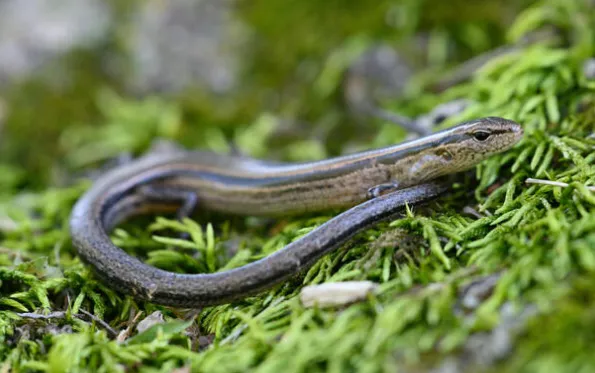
117,74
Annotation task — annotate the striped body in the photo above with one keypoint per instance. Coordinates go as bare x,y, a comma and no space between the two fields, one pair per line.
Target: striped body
252,187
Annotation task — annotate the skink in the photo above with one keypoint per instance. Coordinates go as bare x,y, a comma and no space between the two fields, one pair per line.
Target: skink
377,182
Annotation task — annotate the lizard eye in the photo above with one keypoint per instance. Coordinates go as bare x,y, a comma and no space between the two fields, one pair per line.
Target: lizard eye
481,135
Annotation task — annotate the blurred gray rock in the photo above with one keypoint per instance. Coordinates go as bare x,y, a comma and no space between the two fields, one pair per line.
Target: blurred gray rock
379,73
179,43
589,68
32,32
168,45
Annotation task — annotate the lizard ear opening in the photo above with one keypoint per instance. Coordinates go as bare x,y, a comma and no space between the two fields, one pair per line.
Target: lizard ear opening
444,154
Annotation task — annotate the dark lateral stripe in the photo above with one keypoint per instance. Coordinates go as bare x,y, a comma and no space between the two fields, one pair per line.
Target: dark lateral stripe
323,171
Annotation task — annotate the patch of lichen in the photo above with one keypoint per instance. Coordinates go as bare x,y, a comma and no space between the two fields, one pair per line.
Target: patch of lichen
537,239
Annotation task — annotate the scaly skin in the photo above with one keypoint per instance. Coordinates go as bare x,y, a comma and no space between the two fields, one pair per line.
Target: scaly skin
252,187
